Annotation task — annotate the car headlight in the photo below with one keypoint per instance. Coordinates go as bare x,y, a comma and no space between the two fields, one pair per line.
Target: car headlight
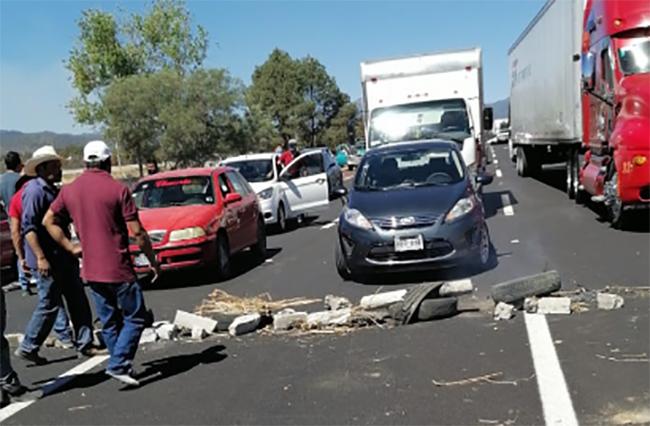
186,234
355,218
266,194
462,207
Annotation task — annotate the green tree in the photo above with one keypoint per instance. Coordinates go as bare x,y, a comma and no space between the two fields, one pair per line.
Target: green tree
343,127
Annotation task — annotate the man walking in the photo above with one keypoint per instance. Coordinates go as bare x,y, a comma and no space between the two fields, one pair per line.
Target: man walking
55,270
9,178
104,213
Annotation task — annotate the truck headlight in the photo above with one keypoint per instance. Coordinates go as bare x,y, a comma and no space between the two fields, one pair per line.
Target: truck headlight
355,218
266,194
186,234
461,208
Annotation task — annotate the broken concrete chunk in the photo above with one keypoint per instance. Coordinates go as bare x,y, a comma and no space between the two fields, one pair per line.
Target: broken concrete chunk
554,305
530,305
334,303
199,333
503,311
534,285
187,320
167,331
15,339
148,336
381,300
609,302
244,324
286,320
456,288
329,318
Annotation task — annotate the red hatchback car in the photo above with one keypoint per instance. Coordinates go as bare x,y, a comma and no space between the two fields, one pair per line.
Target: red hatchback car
198,218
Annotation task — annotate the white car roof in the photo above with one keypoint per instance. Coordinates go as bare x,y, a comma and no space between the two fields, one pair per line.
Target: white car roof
260,156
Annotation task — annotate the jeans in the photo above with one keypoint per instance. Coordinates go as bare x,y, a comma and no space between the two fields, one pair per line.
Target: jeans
23,279
63,283
7,374
122,312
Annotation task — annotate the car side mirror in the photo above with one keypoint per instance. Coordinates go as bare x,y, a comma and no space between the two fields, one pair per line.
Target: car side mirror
484,179
340,192
233,197
488,118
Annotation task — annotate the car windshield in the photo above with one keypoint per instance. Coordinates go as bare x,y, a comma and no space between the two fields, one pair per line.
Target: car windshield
183,191
635,56
254,170
409,168
419,121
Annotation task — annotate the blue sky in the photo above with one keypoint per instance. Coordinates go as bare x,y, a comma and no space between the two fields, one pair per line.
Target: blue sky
36,37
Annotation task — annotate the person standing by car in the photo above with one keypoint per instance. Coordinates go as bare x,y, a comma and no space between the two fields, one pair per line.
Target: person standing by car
103,212
9,178
56,271
287,156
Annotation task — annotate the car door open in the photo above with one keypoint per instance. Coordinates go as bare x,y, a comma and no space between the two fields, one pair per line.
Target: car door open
304,182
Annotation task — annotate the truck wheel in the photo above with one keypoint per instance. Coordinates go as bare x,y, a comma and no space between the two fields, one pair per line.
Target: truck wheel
614,204
571,169
341,263
512,153
580,196
521,162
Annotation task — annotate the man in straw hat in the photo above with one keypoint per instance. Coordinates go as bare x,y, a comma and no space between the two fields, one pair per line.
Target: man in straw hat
56,271
104,213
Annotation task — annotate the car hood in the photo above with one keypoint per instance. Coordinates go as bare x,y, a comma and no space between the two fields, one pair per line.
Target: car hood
428,200
179,217
261,186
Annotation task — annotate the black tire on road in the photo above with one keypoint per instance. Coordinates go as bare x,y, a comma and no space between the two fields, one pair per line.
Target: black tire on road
485,250
341,264
520,288
431,309
527,163
282,218
223,258
259,248
571,168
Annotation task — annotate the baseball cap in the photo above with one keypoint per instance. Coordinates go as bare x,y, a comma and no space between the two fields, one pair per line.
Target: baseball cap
96,151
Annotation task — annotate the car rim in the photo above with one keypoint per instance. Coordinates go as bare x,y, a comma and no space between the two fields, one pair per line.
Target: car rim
485,246
612,198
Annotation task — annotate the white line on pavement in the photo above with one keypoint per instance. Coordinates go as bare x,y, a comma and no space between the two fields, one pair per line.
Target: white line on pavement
495,161
49,388
553,391
514,241
507,208
330,225
499,174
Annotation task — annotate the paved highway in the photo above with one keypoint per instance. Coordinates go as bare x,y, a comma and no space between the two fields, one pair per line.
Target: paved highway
590,367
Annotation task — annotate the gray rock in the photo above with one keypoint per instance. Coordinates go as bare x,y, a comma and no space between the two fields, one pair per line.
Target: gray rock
244,324
554,305
334,303
381,300
503,311
286,320
148,336
456,288
187,320
609,302
329,318
530,305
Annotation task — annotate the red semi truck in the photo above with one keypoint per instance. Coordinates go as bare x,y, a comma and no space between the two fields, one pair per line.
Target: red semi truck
580,93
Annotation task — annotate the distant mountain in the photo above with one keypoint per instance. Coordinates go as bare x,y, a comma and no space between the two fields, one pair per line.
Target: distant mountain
12,140
500,108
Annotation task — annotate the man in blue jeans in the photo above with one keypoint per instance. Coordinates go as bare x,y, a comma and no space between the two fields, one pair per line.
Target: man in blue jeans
104,213
55,270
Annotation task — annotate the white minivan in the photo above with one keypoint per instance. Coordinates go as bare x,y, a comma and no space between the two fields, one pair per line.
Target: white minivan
285,194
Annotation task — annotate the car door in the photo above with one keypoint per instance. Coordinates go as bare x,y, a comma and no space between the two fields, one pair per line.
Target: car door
249,207
231,213
304,182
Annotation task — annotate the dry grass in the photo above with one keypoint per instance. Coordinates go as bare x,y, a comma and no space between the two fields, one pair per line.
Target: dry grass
224,303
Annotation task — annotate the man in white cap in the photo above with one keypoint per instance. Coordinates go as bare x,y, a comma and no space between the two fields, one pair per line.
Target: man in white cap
104,214
55,270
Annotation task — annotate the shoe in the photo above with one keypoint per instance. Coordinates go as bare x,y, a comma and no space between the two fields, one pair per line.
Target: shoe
14,389
30,356
63,344
93,351
126,378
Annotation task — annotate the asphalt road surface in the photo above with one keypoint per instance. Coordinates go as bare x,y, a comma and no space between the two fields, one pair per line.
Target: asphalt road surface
587,368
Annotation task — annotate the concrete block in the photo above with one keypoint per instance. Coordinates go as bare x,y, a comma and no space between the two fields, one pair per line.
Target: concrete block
167,331
456,288
329,318
287,320
554,305
609,302
187,320
517,290
199,333
15,339
148,336
334,303
503,311
381,300
244,324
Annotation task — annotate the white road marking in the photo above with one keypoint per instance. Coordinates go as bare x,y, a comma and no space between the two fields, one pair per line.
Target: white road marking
50,387
495,161
499,174
553,391
507,208
514,242
330,225
268,261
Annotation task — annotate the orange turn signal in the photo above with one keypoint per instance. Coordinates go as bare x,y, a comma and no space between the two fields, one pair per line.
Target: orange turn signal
639,160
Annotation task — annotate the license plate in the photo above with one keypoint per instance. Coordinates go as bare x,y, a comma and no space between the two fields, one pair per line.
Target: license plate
409,243
141,260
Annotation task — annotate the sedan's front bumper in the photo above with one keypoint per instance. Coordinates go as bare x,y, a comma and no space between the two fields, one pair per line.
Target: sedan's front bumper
269,213
196,253
445,245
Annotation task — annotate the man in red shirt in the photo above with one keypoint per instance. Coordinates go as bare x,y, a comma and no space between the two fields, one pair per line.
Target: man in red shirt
287,156
104,213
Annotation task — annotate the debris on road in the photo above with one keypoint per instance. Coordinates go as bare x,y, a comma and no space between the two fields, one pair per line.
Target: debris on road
504,311
487,378
148,336
381,300
334,303
166,330
244,324
199,333
15,339
626,358
609,302
456,288
554,305
515,291
287,319
187,320
531,304
329,318
220,302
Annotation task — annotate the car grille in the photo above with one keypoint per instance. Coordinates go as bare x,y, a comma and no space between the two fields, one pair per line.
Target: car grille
156,237
403,222
432,249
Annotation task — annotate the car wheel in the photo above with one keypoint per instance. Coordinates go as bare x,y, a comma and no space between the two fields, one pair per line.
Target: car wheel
259,248
223,258
341,263
484,250
282,218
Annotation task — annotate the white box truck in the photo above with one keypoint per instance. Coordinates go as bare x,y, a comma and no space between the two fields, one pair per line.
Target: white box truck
433,96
